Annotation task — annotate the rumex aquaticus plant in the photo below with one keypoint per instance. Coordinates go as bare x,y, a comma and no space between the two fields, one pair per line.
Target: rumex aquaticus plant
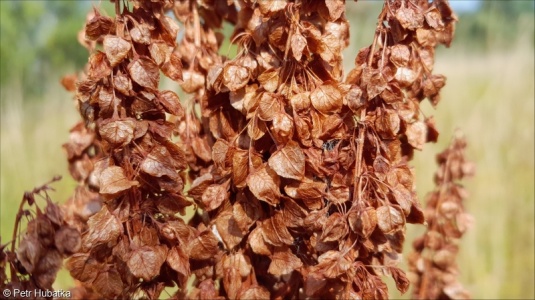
298,174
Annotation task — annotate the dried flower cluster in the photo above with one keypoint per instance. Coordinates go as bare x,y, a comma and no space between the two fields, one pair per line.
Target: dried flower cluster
432,264
310,188
135,243
299,177
35,258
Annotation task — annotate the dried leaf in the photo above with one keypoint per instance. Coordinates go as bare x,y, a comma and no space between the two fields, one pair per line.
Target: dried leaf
117,132
172,204
160,163
333,264
144,72
298,44
104,228
288,162
255,292
99,67
416,134
245,212
214,195
108,284
402,282
83,267
327,98
432,86
160,52
269,6
377,83
264,184
275,232
269,79
334,229
172,68
235,77
67,240
178,261
46,270
269,106
400,55
390,219
283,127
145,262
240,169
141,34
116,49
336,9
123,84
284,262
434,19
98,26
257,242
192,81
171,103
228,229
363,222
113,182
409,18
203,247
30,252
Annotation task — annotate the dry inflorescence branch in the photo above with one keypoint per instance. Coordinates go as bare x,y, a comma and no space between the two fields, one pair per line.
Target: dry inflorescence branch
299,177
135,243
310,188
34,259
432,264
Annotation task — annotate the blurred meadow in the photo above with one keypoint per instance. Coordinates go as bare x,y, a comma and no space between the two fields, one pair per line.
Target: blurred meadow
489,95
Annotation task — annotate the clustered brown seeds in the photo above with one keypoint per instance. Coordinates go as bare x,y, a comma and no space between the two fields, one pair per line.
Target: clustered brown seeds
300,177
35,258
136,244
432,266
310,188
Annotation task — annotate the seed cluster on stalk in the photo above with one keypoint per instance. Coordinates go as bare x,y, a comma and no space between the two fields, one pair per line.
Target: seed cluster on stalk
135,243
432,266
298,172
35,257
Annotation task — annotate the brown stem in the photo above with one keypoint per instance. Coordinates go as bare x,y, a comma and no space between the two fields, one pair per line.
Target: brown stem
376,36
288,43
118,11
15,230
423,289
196,25
358,163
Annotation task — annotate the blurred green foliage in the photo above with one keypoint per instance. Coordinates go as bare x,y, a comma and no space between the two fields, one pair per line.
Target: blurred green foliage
38,38
496,24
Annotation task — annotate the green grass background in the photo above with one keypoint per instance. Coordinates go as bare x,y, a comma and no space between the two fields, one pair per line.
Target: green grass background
489,95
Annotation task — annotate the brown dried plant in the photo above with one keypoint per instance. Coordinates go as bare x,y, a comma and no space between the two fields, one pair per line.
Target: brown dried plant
432,264
310,189
34,259
299,177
